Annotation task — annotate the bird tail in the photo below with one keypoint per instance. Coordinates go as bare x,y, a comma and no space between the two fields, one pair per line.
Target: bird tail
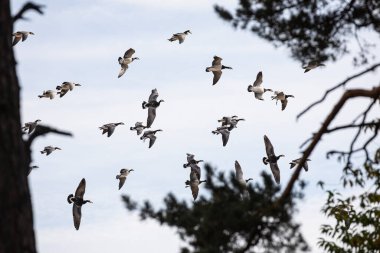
69,198
292,165
265,160
58,87
306,70
117,176
171,39
40,96
143,104
207,69
185,165
42,152
250,87
132,128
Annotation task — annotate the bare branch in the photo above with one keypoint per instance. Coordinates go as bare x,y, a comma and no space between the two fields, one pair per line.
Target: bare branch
374,93
372,68
43,130
28,6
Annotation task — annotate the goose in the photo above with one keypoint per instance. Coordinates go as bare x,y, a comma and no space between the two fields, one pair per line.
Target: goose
258,88
279,95
65,87
239,177
123,176
30,126
224,132
49,149
227,120
151,136
47,94
297,161
179,36
191,160
109,128
77,201
216,69
152,104
312,65
233,123
194,168
272,159
194,184
20,35
139,127
127,59
31,168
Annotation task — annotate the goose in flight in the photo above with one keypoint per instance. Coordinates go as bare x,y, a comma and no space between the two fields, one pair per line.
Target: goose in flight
139,127
109,128
297,161
216,69
191,160
123,176
65,87
151,136
312,65
77,201
239,177
49,149
224,132
281,96
20,35
30,126
47,94
272,159
179,36
258,88
152,104
127,59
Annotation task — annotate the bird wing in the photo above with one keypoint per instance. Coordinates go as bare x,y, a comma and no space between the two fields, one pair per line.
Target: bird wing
124,68
129,53
268,146
81,189
24,36
259,96
151,116
152,139
16,40
31,128
239,171
121,182
153,96
225,136
190,158
259,79
62,92
51,95
111,129
139,130
48,151
284,102
306,166
275,172
123,171
217,61
217,75
77,215
181,38
194,189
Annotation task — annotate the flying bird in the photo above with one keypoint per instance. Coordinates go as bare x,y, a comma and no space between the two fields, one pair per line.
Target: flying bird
30,126
139,127
127,59
282,97
78,201
297,161
20,35
47,94
49,149
123,176
191,160
272,159
239,177
110,128
224,132
216,69
66,87
231,122
152,104
312,65
257,87
179,36
151,136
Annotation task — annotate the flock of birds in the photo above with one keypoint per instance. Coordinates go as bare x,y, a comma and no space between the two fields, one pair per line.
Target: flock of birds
228,123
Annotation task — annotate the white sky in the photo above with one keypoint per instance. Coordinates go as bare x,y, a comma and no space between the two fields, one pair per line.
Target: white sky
80,41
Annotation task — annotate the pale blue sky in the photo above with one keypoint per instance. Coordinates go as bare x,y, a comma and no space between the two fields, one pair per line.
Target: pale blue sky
80,41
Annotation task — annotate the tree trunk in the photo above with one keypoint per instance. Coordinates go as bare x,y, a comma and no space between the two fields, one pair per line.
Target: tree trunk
16,217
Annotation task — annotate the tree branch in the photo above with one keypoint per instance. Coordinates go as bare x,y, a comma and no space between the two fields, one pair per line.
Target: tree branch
374,93
43,130
372,68
28,6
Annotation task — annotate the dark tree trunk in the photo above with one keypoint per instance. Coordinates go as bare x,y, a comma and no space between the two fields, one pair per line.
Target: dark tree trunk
16,217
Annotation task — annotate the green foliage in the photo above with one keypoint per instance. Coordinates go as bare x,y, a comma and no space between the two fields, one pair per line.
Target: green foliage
311,29
357,216
225,221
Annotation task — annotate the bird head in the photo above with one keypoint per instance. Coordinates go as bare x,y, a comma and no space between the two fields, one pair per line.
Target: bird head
120,123
31,33
131,170
162,100
249,179
187,32
38,120
58,148
77,84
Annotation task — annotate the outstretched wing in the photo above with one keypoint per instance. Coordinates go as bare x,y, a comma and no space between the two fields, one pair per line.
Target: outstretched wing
129,53
16,40
268,146
217,75
121,182
239,171
284,102
151,116
217,61
275,172
24,36
225,136
153,96
152,139
81,189
122,70
110,131
194,189
259,79
77,215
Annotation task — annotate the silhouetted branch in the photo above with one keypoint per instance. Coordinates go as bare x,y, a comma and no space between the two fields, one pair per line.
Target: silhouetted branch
43,130
372,68
374,93
28,6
